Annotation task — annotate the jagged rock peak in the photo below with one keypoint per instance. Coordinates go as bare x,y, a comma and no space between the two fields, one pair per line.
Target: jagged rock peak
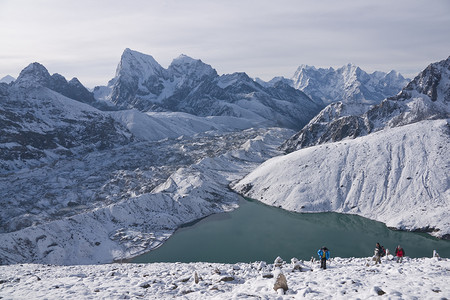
434,82
133,63
34,75
185,65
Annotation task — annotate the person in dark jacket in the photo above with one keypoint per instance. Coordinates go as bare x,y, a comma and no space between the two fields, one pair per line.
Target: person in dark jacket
324,254
378,253
399,253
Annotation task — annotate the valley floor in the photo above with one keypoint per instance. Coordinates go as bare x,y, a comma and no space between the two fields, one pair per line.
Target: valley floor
345,278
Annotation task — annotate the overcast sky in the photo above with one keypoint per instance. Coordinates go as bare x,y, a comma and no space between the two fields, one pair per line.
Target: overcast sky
85,38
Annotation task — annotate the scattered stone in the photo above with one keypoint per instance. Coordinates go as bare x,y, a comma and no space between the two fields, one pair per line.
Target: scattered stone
278,262
378,291
267,275
145,285
185,279
173,286
280,283
227,278
296,265
186,292
196,279
96,290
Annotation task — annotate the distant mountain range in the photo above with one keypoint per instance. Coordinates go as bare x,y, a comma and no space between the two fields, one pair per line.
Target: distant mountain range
191,86
348,84
425,97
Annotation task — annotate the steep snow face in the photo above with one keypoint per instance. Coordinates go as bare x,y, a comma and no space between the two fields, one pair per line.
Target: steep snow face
425,97
137,76
398,176
136,64
191,86
347,84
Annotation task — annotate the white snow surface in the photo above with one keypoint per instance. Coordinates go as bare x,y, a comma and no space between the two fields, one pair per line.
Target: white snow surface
344,278
398,176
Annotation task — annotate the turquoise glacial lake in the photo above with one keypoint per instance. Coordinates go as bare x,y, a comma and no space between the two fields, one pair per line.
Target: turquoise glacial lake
255,232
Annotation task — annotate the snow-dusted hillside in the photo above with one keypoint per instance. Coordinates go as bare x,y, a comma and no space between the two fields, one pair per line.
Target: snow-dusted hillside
398,176
191,86
345,278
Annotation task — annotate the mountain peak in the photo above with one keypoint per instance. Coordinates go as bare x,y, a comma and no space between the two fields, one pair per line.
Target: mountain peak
134,63
7,79
185,65
34,75
434,82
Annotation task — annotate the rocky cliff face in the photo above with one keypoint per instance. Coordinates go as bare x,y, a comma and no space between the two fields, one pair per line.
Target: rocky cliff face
426,97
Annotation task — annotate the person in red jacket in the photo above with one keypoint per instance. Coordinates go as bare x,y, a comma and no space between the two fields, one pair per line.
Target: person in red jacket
399,252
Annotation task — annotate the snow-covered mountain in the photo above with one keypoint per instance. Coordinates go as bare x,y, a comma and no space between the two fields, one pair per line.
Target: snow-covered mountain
191,86
7,79
395,172
348,84
425,97
81,185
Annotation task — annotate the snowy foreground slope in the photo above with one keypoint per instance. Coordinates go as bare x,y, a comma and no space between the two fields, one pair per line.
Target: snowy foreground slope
345,278
398,176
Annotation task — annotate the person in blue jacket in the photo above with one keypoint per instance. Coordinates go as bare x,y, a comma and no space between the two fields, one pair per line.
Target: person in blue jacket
324,254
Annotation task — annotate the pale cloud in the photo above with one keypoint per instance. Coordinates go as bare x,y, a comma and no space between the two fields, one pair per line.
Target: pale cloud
263,38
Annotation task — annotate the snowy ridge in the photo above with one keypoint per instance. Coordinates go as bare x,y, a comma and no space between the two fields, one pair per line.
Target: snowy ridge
345,278
398,176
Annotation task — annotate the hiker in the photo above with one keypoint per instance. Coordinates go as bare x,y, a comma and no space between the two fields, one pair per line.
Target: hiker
378,253
324,254
399,252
